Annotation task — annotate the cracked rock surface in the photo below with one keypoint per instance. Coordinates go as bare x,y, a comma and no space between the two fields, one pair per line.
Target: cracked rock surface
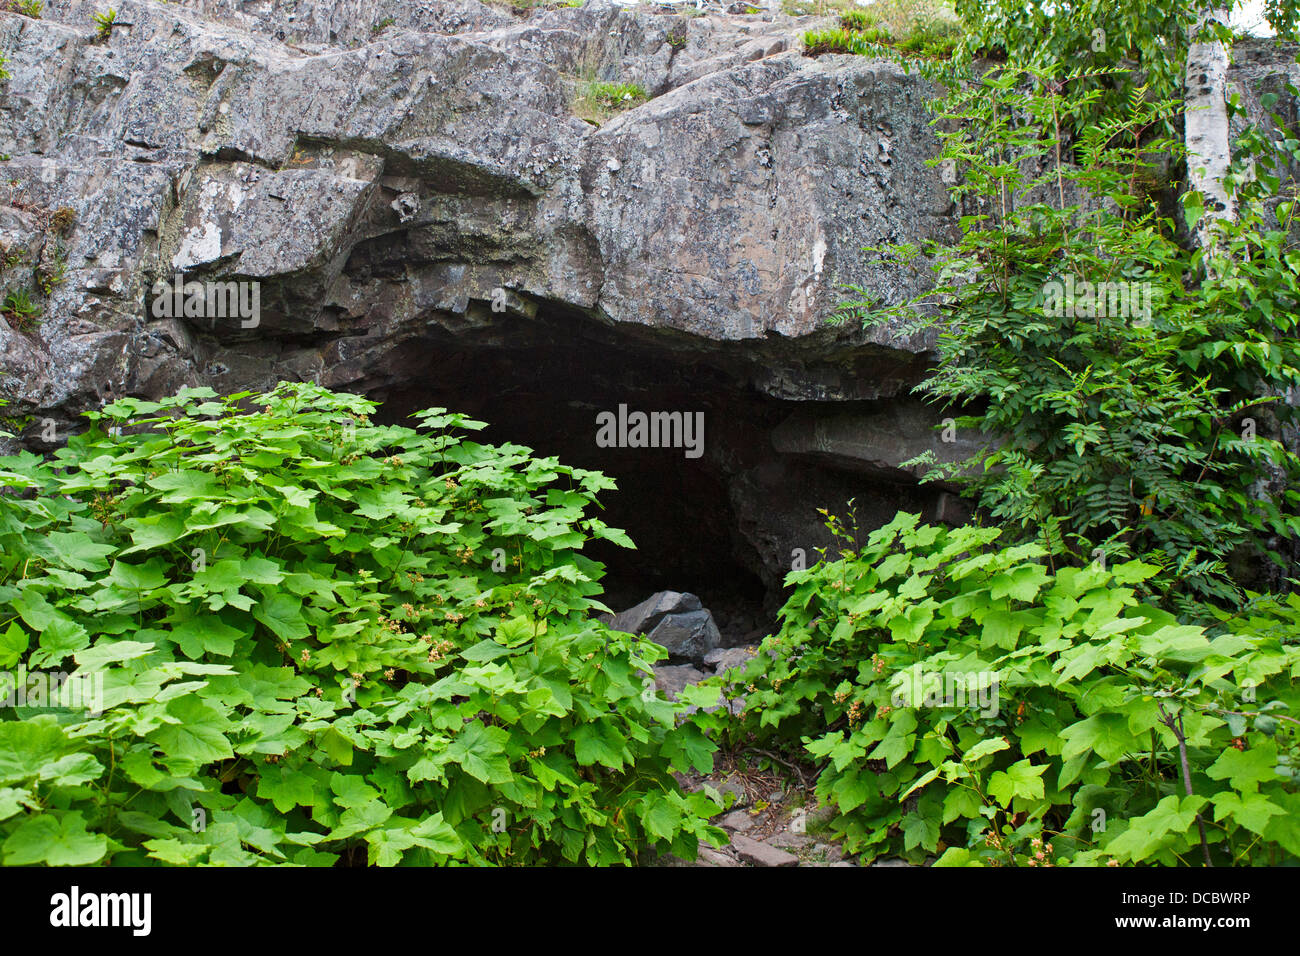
387,170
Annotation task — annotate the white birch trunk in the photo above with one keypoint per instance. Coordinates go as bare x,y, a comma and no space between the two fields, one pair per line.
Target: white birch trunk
1206,123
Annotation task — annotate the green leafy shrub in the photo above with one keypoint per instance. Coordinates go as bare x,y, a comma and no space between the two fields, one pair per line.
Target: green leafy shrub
295,636
964,700
1114,47
1141,421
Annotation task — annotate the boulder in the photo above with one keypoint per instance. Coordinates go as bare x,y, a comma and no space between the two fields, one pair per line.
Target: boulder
689,635
671,679
737,821
730,658
642,618
761,854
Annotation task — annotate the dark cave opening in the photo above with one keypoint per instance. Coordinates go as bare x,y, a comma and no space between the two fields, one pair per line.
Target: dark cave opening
710,524
675,508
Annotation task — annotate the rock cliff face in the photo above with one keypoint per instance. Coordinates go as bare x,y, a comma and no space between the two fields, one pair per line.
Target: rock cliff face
429,222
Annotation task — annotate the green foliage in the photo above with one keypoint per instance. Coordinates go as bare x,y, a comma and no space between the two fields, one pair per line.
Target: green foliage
817,42
857,19
1101,41
886,28
527,7
1142,422
56,274
1115,46
1283,17
317,639
104,23
962,699
597,101
19,308
616,96
28,8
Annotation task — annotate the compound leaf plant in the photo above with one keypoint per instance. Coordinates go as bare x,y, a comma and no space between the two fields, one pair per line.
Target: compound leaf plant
963,701
262,629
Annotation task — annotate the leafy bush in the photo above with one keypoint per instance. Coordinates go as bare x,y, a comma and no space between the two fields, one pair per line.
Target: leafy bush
320,640
1142,421
1113,47
964,700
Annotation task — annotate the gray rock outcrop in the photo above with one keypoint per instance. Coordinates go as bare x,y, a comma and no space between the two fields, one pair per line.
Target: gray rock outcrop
387,168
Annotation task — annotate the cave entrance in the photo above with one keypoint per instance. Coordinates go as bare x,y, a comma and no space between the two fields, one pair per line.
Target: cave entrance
546,392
